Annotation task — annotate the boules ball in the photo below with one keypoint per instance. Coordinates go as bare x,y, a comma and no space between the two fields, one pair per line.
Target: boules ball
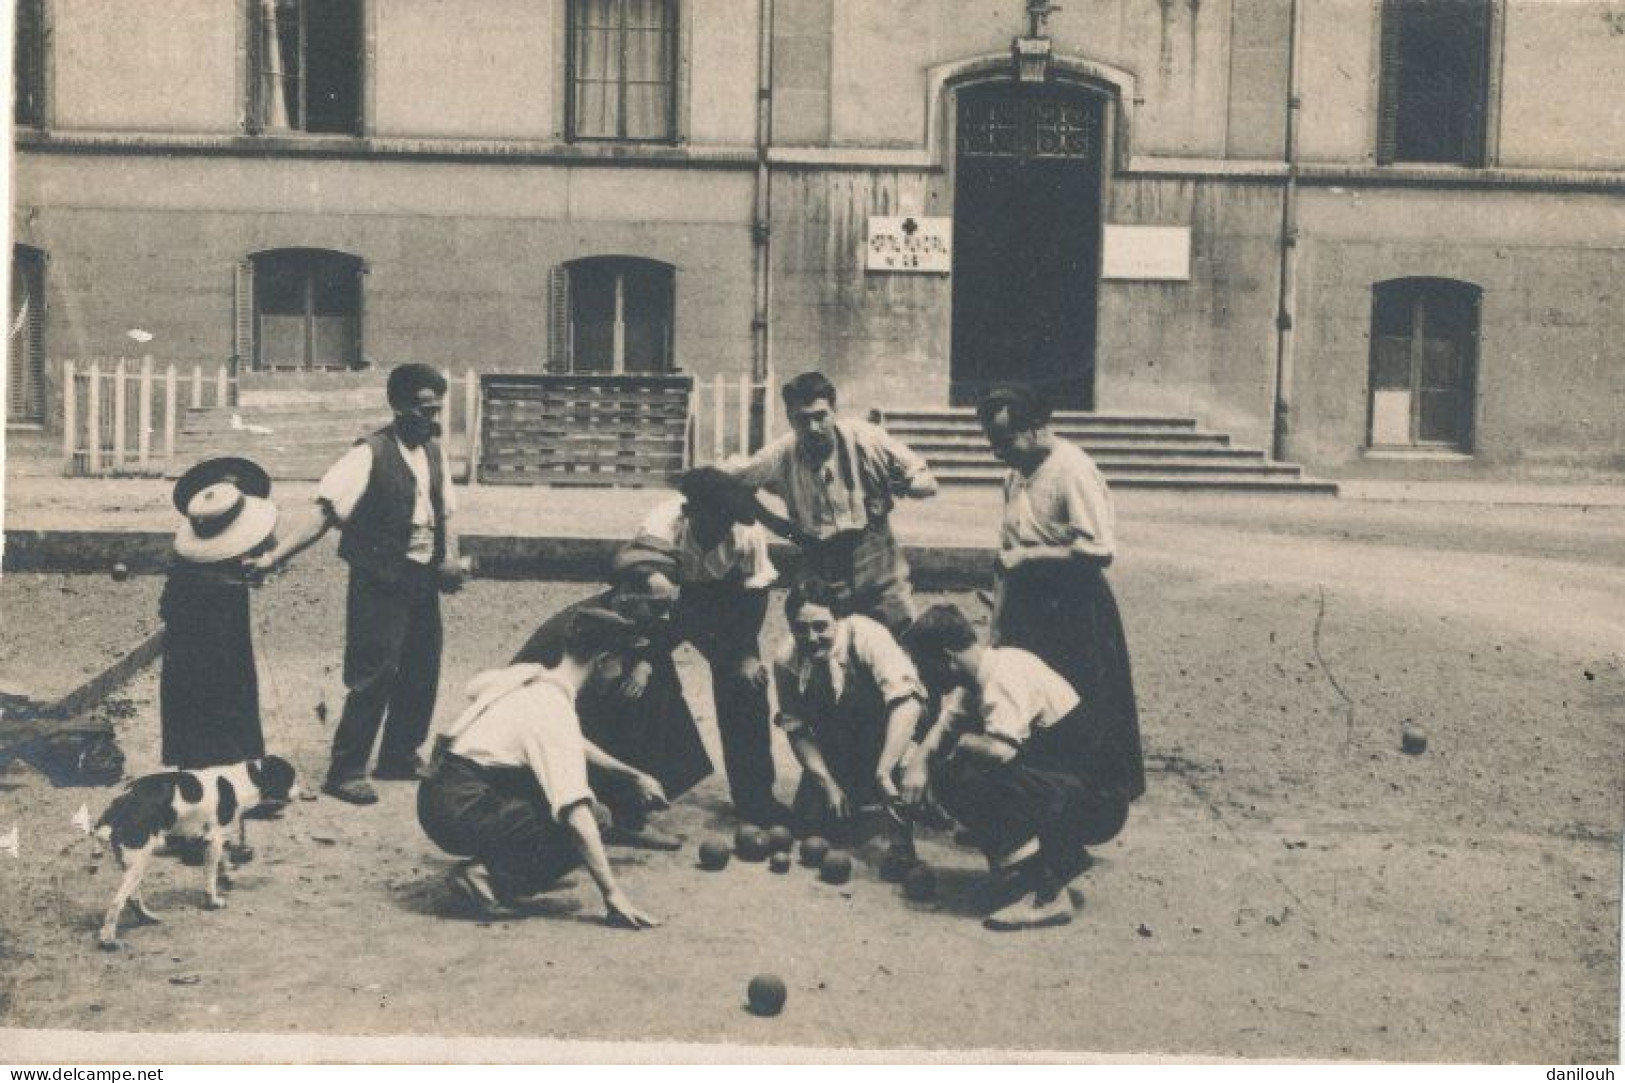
779,862
813,852
750,843
1412,741
921,885
836,869
766,994
780,840
713,856
121,572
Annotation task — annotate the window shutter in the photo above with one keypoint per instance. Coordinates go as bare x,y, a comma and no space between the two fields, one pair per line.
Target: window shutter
1388,83
363,68
243,342
35,405
558,320
253,66
1473,139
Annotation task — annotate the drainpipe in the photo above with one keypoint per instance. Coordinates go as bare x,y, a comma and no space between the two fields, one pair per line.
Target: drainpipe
761,216
1287,298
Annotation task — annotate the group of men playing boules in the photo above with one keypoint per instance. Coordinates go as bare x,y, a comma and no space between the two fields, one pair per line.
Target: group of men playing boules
1027,739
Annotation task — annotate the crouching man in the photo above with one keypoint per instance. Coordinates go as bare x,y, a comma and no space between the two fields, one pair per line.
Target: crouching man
1013,759
849,701
508,786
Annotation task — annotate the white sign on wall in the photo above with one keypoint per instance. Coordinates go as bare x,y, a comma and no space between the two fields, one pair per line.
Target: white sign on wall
1147,253
910,243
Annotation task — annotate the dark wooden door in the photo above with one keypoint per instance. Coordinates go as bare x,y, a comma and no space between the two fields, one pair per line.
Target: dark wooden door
1026,241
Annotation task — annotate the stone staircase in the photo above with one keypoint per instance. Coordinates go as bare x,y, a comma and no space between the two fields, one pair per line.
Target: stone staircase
1133,451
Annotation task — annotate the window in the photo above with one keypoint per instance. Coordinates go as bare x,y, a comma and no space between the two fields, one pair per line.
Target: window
1435,80
28,61
612,314
300,308
1424,363
25,357
305,65
622,70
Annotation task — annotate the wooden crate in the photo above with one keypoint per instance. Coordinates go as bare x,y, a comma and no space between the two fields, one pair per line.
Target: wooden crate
582,430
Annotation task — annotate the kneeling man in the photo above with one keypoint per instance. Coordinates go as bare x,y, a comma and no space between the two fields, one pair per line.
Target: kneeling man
1013,759
508,787
849,701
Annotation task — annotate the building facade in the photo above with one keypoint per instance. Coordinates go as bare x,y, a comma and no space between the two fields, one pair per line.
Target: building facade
1377,235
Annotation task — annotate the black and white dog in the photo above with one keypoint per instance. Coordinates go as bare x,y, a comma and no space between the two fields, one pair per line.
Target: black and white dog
202,804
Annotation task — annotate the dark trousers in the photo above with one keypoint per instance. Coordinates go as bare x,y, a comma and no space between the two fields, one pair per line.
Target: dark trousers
851,744
500,817
723,621
1033,796
391,668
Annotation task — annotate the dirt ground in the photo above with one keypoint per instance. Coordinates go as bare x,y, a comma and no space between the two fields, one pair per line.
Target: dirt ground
1292,885
101,618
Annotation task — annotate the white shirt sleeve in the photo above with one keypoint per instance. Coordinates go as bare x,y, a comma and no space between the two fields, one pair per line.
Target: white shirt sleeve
765,469
759,570
661,523
448,495
345,481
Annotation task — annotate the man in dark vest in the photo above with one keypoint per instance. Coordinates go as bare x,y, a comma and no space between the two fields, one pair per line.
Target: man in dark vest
389,497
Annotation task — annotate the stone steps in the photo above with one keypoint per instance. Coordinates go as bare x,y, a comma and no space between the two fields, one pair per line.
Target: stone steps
1133,451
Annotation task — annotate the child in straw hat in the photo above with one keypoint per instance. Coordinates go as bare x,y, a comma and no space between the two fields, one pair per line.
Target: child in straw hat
208,696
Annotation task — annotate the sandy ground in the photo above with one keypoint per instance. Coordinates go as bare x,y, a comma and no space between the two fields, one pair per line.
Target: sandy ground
94,619
1291,886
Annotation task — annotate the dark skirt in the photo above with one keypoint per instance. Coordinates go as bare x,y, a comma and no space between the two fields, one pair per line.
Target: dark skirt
655,733
208,691
1064,613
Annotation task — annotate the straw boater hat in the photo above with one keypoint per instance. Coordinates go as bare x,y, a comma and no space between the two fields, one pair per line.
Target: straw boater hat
226,508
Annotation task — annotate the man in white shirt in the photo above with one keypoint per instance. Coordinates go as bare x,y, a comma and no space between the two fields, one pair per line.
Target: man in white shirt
839,480
1013,758
508,786
390,496
849,702
721,566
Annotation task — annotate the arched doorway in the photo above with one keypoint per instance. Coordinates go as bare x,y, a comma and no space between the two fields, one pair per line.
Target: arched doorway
1027,206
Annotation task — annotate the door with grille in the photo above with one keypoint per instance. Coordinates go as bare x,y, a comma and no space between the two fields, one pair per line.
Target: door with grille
1027,212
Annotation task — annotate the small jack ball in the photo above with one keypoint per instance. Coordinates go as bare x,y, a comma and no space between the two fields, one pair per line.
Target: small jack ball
813,852
779,862
921,885
836,869
121,572
766,994
750,843
780,840
713,856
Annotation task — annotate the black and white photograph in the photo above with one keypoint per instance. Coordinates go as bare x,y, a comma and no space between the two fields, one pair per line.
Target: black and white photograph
797,531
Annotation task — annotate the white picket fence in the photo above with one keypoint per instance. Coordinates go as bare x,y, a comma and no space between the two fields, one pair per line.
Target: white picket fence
121,416
720,418
112,412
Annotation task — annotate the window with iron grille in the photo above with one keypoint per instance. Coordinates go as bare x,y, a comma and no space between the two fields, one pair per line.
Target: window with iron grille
300,308
612,315
622,63
1435,81
1424,363
25,357
28,59
305,59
